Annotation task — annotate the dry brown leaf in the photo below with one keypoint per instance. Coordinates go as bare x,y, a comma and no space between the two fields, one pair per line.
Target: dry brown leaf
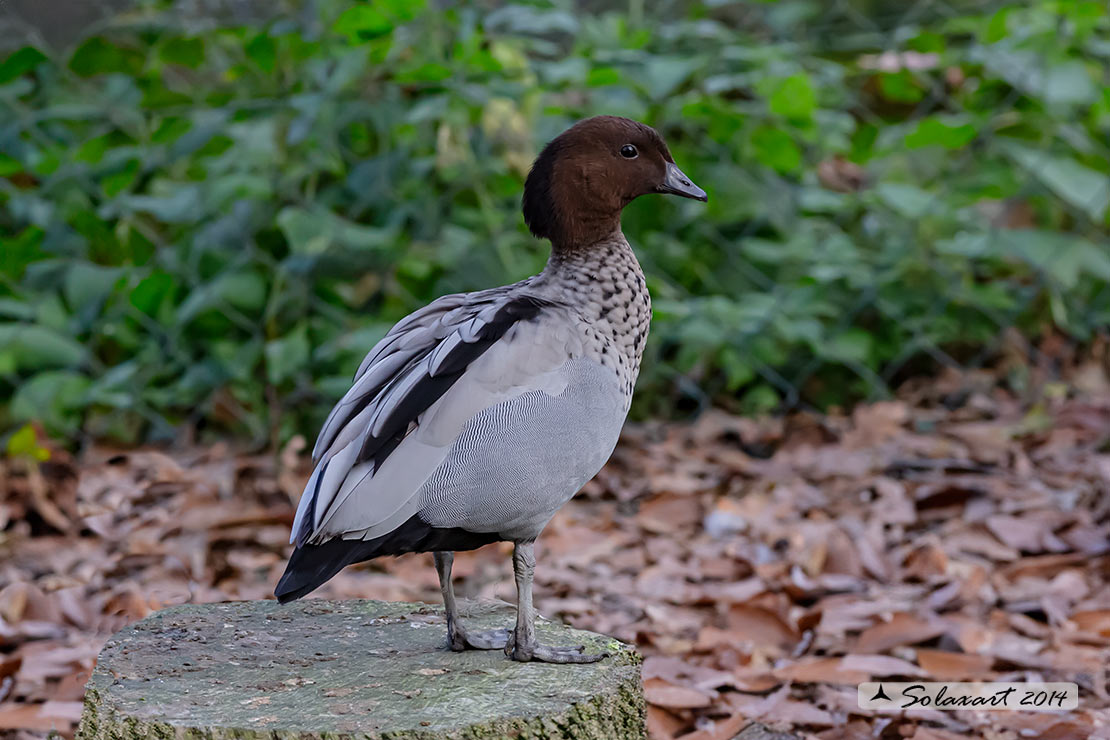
712,638
761,626
876,423
754,681
22,600
855,730
720,729
888,521
841,175
1024,533
43,502
1041,566
667,514
921,732
291,479
941,665
738,592
988,442
900,629
880,666
925,563
1068,731
50,715
9,667
662,725
1095,621
664,694
821,670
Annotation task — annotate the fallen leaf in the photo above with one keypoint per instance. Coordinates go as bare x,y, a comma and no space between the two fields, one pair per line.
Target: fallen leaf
880,666
761,626
662,725
941,665
900,629
1095,621
664,694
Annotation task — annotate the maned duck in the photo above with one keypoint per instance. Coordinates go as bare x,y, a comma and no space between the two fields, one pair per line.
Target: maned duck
477,417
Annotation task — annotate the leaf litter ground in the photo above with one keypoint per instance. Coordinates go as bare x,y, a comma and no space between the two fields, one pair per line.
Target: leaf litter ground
765,567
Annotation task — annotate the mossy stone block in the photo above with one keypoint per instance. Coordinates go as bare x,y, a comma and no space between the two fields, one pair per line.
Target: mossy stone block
349,669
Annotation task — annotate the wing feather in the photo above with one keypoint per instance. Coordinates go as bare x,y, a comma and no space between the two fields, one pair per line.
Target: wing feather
409,400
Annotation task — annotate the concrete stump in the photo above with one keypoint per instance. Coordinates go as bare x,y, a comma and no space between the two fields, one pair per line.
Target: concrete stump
359,669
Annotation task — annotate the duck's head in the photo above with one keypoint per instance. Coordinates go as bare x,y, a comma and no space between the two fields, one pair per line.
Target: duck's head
584,178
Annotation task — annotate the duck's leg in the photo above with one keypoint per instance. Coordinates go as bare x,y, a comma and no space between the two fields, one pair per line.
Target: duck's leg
522,644
458,638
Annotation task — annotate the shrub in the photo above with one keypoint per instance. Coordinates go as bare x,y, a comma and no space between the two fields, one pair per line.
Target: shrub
208,222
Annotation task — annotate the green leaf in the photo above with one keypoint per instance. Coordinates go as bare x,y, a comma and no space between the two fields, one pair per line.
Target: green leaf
99,56
245,291
363,22
662,76
20,62
25,443
54,398
288,355
11,308
1053,81
186,52
603,76
35,347
900,87
16,253
934,132
313,232
1082,187
793,98
151,292
428,72
9,165
851,345
1065,258
116,182
760,400
180,205
170,129
908,200
776,149
87,285
1069,83
263,51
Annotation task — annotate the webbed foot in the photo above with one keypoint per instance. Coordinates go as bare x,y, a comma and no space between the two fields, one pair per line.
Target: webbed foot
459,639
550,654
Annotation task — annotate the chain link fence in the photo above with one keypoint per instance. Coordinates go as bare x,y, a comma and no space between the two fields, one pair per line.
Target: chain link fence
211,210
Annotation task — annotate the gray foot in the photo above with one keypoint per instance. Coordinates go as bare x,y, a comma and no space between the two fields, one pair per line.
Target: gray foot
548,654
459,639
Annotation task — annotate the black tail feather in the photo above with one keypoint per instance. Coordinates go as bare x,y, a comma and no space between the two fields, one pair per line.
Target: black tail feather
311,566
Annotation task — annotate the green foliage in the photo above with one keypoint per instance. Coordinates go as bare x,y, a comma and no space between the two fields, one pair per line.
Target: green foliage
210,223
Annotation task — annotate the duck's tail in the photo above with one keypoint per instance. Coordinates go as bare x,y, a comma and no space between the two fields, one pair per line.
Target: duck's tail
311,566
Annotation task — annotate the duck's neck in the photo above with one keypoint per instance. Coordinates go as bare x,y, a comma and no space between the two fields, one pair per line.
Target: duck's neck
606,268
605,285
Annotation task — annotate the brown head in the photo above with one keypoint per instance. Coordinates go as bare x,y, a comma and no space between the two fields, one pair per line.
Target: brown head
584,178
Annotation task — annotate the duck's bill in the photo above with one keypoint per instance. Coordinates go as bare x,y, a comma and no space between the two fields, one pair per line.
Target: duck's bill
676,183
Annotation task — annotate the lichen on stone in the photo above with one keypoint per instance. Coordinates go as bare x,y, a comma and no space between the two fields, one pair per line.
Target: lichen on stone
335,670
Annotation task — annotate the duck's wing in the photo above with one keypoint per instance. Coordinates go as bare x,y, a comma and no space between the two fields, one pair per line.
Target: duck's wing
412,395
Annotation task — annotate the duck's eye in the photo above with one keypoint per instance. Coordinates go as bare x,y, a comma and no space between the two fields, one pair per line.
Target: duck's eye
628,151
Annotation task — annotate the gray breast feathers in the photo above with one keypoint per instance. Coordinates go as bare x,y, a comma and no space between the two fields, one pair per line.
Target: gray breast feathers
414,394
517,462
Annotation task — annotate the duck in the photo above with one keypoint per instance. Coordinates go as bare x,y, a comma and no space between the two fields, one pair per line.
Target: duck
477,417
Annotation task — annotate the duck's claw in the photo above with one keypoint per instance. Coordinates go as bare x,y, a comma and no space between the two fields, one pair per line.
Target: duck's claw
548,654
